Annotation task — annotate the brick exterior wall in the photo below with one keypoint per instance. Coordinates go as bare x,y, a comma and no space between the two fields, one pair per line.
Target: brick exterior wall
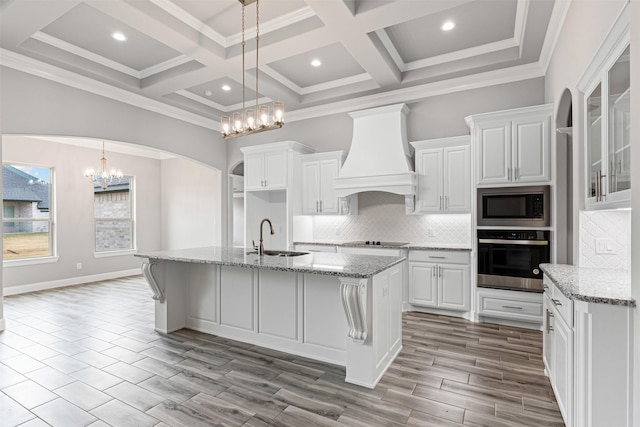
26,210
112,234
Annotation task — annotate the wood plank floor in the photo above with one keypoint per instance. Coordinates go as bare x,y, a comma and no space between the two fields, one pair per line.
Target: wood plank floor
88,355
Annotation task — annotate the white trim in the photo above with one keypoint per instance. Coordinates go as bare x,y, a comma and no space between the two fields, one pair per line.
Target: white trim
522,10
46,71
107,254
346,81
3,325
163,66
281,79
179,13
9,263
83,53
616,40
416,93
41,286
558,15
274,25
200,99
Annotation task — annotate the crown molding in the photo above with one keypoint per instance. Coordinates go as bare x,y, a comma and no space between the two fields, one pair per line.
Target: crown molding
180,14
558,15
409,94
46,71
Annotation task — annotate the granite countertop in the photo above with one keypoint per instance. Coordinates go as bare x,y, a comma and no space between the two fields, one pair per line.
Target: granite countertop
333,264
599,285
415,246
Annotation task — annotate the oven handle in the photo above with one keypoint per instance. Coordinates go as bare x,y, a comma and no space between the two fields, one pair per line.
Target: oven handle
515,242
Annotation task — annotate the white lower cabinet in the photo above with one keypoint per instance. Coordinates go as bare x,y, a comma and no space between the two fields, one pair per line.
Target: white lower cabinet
587,355
510,305
558,356
439,279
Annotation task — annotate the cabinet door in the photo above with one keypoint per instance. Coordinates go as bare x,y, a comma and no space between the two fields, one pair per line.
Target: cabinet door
457,179
310,187
254,171
495,154
423,282
455,284
430,197
531,161
275,174
563,368
328,173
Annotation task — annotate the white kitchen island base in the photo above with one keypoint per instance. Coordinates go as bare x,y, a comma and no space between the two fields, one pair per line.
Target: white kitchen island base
347,321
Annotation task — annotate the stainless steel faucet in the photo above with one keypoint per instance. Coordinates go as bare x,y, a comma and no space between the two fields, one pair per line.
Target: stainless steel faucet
261,247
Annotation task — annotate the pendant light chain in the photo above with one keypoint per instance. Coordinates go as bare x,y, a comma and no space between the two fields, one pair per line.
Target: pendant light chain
250,120
243,44
257,43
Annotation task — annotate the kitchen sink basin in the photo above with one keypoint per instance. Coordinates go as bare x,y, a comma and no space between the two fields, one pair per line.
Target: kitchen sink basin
279,253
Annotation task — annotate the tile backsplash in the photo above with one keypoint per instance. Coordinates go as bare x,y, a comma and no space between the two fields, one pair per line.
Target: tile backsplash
614,225
381,216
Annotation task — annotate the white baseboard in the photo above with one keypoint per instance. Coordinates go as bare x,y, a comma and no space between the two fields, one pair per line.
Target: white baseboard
32,287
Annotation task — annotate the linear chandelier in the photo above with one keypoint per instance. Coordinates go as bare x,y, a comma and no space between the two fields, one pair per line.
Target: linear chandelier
253,119
103,176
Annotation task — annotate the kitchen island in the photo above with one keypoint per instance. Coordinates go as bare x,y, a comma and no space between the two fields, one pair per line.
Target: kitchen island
337,308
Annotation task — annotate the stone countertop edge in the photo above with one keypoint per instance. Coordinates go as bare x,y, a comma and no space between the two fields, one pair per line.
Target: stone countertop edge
592,284
415,246
354,266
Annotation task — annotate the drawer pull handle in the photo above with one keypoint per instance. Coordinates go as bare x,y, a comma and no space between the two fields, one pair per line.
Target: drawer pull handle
512,307
545,287
436,257
556,301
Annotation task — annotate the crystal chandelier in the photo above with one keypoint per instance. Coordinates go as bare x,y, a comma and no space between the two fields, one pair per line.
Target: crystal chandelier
253,119
103,176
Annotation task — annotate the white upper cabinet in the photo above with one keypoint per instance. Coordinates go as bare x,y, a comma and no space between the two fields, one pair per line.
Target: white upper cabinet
266,170
319,172
606,85
271,166
444,175
513,146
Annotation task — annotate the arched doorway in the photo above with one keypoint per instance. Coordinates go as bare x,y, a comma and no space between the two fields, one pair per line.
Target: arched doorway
236,184
564,221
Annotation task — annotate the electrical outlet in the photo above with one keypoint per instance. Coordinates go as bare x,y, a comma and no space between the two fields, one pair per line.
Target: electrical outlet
79,266
604,245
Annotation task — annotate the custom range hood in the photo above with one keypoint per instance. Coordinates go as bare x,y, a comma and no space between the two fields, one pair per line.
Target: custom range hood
379,158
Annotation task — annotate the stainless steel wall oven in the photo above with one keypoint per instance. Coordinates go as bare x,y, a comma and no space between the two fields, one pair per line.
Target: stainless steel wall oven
510,259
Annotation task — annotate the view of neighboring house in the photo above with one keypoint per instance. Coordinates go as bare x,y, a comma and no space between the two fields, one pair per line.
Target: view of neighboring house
24,196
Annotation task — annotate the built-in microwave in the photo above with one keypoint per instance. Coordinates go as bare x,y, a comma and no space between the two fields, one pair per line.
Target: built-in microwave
514,206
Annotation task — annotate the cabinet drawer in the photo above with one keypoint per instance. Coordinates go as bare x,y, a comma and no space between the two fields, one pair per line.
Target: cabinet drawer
359,250
448,257
562,304
509,308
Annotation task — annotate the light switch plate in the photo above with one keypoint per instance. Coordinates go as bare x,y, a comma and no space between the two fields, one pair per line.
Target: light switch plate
604,245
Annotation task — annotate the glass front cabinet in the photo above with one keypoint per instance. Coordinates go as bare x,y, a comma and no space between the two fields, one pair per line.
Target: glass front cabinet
607,122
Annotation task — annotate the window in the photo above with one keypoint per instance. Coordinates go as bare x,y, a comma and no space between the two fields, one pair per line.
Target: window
27,220
113,214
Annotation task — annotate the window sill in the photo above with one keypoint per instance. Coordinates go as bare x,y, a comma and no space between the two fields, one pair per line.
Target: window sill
29,261
107,254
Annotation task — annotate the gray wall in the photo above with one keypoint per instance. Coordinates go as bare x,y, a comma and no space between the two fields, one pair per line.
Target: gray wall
74,199
435,117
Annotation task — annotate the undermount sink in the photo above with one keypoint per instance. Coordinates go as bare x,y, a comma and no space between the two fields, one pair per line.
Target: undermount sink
279,253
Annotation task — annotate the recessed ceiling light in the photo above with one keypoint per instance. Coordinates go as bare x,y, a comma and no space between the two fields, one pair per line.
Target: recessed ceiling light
448,26
119,36
316,63
226,88
208,93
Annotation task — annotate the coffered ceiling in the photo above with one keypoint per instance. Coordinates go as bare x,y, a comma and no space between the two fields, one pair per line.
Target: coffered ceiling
179,54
